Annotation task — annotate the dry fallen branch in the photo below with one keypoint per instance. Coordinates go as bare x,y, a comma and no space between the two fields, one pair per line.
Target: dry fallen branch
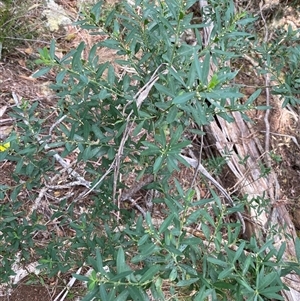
237,138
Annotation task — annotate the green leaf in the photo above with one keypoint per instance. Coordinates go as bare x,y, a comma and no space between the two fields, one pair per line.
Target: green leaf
183,98
111,75
172,163
217,262
166,223
102,291
99,262
121,265
96,11
271,294
91,295
143,239
263,108
76,61
81,277
221,94
173,274
164,90
252,97
239,251
187,282
123,296
149,274
244,284
60,76
246,265
152,149
110,43
227,272
146,252
172,114
297,248
120,276
158,163
205,69
266,280
41,72
224,285
137,294
52,50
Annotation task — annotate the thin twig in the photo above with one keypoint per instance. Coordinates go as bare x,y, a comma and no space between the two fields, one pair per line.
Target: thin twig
272,193
57,157
196,164
284,135
139,97
199,159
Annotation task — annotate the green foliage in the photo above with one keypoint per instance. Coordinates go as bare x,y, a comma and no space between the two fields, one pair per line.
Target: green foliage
166,94
281,58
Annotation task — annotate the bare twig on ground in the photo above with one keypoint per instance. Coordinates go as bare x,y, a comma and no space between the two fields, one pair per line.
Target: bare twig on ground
196,164
284,135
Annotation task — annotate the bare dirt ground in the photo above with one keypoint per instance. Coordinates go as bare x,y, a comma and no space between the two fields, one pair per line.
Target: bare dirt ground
16,69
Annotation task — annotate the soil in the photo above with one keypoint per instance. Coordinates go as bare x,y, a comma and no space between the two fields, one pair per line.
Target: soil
29,293
15,77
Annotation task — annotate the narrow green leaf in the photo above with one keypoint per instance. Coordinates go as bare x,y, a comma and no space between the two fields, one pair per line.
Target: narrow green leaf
164,90
224,285
221,94
111,75
100,70
253,97
137,294
173,274
187,282
146,252
263,108
60,76
273,295
120,276
224,274
297,247
102,291
266,280
138,128
149,274
91,295
244,284
143,239
112,294
41,72
96,10
239,251
157,164
217,262
166,223
172,114
99,262
76,61
123,296
81,277
177,77
205,69
92,58
183,98
52,49
121,265
172,163
247,265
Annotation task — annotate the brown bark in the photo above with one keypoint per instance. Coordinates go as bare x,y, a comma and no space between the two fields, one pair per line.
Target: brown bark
238,139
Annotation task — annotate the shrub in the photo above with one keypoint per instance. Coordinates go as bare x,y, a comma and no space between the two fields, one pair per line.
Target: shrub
142,121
